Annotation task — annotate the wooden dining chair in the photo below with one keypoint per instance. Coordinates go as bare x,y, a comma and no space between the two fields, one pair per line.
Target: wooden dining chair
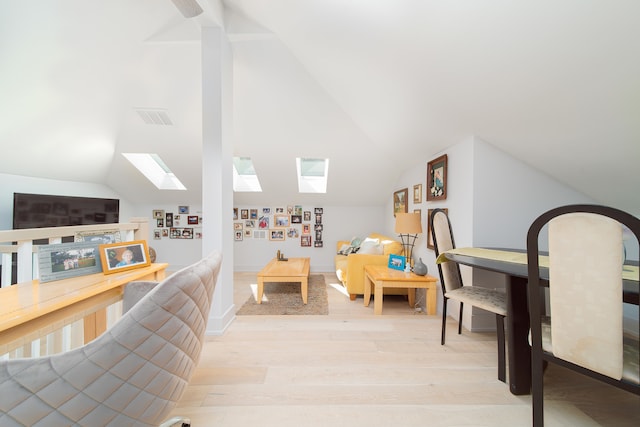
487,299
583,327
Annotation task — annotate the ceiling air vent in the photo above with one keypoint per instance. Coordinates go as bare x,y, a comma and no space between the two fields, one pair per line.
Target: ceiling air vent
154,116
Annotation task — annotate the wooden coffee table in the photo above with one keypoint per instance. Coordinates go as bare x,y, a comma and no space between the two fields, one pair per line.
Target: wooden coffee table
380,277
293,270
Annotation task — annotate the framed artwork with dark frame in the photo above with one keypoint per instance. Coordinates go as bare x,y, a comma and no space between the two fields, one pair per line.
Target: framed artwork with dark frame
400,202
123,256
429,236
437,178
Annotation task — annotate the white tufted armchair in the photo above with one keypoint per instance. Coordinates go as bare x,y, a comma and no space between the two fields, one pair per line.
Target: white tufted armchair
132,375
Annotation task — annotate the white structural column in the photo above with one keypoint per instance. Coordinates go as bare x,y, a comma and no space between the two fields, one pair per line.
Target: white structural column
217,175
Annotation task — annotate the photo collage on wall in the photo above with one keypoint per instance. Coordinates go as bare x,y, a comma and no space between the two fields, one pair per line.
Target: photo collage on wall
177,225
278,224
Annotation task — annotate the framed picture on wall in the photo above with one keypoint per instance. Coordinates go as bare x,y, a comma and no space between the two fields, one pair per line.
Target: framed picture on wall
417,193
400,202
276,234
429,237
437,178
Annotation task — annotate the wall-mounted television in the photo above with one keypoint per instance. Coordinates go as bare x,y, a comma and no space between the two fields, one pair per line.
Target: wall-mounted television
44,210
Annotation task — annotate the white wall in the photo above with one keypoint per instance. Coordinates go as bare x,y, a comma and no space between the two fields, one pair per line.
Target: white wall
339,223
492,199
178,253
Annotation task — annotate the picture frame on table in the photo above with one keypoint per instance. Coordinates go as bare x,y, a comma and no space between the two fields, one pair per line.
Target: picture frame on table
430,244
64,260
98,237
400,201
122,256
397,262
437,179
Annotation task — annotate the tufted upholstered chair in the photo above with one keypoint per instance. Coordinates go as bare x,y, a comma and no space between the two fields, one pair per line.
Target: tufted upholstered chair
452,287
132,375
583,330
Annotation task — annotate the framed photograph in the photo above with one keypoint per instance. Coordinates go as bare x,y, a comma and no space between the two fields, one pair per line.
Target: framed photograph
307,216
305,241
158,213
183,209
276,234
63,260
168,220
417,193
281,220
306,228
192,219
429,236
400,201
237,235
396,262
244,213
235,214
296,219
253,214
237,226
437,179
98,237
123,256
182,233
263,222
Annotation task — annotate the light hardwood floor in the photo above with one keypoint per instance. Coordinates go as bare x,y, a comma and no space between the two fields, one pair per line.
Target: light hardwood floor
352,369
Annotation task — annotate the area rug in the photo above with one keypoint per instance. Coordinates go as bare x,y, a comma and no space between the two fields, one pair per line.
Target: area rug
285,298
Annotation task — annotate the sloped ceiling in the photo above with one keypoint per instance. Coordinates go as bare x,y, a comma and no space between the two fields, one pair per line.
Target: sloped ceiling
374,85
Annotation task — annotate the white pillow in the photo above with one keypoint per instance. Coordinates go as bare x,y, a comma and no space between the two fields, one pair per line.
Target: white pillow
371,247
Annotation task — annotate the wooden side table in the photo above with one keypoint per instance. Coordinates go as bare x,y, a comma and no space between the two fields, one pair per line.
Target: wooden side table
380,277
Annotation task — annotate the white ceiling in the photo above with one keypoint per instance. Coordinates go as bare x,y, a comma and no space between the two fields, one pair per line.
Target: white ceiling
375,85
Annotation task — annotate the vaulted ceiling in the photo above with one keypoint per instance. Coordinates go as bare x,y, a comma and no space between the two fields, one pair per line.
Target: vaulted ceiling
374,85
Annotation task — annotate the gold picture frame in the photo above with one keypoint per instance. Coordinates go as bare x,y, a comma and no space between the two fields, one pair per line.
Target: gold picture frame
116,257
400,201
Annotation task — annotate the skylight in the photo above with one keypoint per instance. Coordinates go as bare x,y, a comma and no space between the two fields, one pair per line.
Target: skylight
156,171
312,175
244,175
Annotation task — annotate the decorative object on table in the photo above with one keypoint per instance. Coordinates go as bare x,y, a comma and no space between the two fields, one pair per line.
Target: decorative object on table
400,202
280,256
64,260
420,268
408,227
437,179
429,234
124,256
417,193
397,262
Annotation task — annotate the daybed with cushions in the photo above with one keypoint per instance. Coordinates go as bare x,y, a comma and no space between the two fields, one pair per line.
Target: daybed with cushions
353,255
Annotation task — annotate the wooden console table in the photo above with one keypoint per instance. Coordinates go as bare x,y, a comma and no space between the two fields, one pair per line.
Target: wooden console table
380,277
32,309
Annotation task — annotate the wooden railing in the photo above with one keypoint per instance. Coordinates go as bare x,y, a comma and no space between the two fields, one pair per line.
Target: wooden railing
70,333
20,242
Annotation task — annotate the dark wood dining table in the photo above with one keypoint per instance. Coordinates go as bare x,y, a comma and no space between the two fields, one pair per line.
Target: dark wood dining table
517,320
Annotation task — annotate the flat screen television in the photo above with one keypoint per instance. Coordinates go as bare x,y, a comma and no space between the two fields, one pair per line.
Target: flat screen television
44,210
